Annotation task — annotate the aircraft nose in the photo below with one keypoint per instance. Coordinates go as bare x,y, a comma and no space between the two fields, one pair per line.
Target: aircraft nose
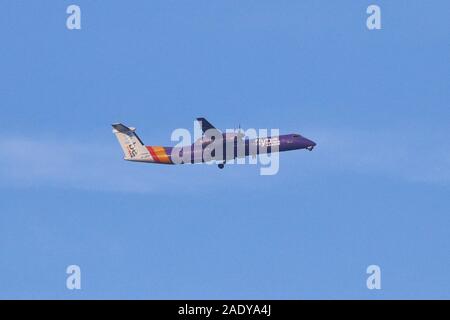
309,144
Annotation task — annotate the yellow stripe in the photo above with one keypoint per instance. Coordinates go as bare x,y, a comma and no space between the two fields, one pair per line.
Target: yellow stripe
161,154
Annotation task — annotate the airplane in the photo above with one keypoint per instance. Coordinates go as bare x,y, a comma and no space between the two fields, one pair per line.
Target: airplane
135,150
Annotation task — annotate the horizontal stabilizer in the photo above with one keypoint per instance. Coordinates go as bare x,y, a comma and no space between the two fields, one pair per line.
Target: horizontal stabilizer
121,128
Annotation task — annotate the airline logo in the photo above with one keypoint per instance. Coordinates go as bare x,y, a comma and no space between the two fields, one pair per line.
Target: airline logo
132,152
268,142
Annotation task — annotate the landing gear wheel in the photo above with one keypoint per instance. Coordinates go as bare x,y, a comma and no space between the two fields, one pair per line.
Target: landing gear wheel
221,165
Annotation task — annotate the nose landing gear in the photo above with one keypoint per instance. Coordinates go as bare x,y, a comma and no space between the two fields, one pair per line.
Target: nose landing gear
221,165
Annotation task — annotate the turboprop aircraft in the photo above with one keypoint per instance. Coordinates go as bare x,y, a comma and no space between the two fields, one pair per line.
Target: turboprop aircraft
212,146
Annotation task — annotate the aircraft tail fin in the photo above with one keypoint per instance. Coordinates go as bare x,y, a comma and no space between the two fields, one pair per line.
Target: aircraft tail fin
133,147
206,125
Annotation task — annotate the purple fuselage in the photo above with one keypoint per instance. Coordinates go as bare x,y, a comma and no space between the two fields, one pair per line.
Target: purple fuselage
237,148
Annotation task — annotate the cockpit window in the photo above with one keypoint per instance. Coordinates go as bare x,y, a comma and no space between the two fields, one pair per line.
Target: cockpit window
296,136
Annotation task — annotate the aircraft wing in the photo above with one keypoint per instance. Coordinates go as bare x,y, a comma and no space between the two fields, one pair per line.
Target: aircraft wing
205,125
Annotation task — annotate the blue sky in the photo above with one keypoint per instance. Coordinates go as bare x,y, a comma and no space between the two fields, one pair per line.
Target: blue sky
374,191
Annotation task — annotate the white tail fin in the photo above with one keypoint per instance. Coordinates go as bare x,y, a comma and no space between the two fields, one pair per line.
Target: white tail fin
132,146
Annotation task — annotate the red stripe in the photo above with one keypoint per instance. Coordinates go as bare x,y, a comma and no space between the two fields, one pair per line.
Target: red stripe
154,156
